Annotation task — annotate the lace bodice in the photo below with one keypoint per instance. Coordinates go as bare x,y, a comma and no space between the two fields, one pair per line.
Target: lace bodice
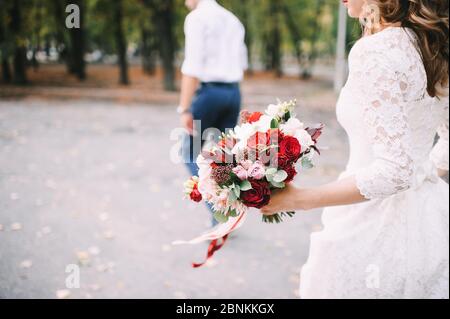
390,119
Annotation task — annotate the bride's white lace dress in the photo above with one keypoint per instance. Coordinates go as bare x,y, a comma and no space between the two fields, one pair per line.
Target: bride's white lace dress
397,244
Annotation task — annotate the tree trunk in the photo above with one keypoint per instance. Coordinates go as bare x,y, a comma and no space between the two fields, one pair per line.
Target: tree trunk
5,67
245,7
164,26
294,32
19,55
61,42
6,71
148,52
307,73
77,65
121,44
273,40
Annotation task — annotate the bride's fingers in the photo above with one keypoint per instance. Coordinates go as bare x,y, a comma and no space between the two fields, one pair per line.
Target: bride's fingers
266,211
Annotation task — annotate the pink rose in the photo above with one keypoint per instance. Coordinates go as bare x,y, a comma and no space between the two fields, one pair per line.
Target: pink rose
247,164
240,172
257,171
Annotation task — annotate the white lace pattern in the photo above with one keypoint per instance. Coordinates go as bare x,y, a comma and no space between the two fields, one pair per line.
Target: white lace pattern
395,245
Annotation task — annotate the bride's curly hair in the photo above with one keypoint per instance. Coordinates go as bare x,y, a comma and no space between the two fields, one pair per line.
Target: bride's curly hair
429,19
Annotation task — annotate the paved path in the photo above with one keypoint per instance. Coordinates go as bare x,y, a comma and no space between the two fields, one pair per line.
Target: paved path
91,184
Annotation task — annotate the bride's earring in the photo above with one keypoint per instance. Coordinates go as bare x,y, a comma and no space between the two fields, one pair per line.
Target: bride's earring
370,18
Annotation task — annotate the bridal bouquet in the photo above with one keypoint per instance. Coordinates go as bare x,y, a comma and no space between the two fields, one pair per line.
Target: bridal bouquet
241,171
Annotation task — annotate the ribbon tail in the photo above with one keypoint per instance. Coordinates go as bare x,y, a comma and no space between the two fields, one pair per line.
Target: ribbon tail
218,232
212,249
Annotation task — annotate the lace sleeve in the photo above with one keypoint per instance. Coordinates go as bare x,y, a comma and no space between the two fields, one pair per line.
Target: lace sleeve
439,154
383,90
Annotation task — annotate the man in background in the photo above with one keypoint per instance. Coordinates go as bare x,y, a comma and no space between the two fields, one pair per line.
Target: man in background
214,65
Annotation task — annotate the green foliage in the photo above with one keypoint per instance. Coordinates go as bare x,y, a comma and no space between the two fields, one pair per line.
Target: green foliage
305,29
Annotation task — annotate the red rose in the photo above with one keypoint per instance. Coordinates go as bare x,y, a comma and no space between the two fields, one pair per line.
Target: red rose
282,161
195,195
291,148
258,196
254,117
291,171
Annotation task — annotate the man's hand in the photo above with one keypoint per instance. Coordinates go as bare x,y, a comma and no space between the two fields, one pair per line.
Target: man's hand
188,122
189,85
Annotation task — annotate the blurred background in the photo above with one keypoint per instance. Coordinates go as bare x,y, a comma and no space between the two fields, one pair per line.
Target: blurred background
85,173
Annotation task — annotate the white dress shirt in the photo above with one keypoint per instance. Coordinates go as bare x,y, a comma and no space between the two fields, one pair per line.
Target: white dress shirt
215,49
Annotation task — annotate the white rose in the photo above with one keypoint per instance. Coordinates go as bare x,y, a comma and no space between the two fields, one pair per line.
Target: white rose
304,139
292,126
263,125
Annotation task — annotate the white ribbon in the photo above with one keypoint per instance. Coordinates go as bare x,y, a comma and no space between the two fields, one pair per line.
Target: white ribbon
218,232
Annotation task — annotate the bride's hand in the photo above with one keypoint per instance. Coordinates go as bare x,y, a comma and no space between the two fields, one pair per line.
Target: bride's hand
284,200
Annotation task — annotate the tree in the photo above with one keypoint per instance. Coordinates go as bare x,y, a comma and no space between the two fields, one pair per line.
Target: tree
77,65
57,11
164,22
121,44
4,45
294,31
19,54
273,38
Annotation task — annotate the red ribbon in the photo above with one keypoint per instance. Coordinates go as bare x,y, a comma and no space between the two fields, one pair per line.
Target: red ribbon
212,249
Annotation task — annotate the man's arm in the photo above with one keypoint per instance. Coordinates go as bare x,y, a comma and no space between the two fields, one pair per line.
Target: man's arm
189,85
191,69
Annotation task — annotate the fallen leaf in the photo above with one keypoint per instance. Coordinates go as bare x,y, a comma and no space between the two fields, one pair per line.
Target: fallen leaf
166,248
103,217
108,234
63,294
46,230
239,281
94,250
83,257
155,188
51,184
102,268
167,204
211,263
26,264
95,287
16,226
280,244
180,295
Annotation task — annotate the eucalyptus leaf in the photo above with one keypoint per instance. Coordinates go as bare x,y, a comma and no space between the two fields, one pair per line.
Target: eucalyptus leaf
278,185
246,186
307,163
232,198
280,176
221,218
271,171
232,213
237,192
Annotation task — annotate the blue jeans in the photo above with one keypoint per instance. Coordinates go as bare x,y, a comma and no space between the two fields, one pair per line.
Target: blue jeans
216,105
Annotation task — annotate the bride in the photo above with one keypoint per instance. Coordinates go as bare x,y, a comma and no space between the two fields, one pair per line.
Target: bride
386,228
